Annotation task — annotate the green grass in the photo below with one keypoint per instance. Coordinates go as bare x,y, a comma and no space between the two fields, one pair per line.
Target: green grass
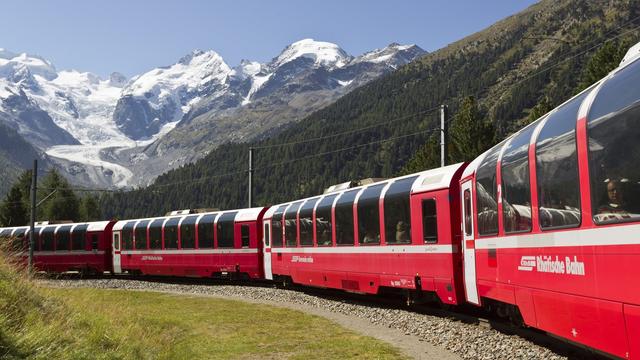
43,323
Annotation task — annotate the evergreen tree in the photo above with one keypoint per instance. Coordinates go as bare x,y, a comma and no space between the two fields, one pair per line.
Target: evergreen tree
427,157
14,211
89,209
469,134
543,107
604,60
63,204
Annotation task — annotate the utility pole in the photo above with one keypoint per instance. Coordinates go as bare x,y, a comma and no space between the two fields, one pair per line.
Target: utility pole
443,135
34,187
250,177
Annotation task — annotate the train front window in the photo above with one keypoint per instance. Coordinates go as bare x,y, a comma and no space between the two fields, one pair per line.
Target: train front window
344,218
397,215
324,223
614,150
487,193
291,225
516,188
557,168
369,215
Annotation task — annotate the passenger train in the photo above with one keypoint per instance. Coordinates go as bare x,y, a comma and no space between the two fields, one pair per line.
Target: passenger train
542,228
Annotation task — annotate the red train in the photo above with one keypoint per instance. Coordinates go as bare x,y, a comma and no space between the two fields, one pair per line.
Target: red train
542,228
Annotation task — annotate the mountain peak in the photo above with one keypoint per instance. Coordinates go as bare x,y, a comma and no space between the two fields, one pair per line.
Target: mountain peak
322,53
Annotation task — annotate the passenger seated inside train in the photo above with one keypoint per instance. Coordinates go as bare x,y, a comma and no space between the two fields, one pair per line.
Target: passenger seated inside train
402,232
614,207
370,237
325,238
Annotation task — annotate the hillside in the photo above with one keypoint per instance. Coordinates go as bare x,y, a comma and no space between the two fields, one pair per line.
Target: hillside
509,67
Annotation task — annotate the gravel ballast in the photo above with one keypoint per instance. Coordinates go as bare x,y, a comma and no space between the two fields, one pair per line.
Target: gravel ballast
466,341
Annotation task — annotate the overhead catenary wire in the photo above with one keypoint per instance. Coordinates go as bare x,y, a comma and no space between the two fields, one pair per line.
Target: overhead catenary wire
352,131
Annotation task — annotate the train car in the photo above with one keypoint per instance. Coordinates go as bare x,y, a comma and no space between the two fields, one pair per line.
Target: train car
83,247
213,244
550,219
401,234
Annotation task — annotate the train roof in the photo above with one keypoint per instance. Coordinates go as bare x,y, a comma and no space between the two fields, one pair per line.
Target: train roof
91,226
428,180
250,214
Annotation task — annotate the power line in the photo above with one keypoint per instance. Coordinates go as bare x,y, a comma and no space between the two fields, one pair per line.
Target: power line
347,148
404,117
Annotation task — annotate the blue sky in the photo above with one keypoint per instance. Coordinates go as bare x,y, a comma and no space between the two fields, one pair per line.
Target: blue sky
134,36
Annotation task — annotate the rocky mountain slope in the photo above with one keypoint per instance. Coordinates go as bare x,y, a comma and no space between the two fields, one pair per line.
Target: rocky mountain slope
124,132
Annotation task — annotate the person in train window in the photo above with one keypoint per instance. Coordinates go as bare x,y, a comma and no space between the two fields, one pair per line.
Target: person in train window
370,237
402,232
615,206
325,237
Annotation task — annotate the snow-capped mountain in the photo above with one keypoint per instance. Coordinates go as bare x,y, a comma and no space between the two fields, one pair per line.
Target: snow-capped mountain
125,132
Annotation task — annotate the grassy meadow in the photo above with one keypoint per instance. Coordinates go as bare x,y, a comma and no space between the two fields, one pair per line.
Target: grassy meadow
46,323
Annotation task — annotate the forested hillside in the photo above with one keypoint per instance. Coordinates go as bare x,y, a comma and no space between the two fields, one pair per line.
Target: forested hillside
514,70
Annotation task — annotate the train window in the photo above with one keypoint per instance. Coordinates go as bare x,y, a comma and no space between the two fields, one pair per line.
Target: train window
6,233
486,193
614,152
127,236
226,232
516,192
94,241
79,235
21,240
266,234
140,232
188,232
171,233
155,234
116,241
369,215
397,214
557,168
467,213
63,235
244,235
291,225
205,232
324,228
46,238
306,222
344,218
429,221
276,226
36,238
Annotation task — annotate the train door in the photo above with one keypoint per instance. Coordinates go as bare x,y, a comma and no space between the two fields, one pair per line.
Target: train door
468,245
267,250
116,252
